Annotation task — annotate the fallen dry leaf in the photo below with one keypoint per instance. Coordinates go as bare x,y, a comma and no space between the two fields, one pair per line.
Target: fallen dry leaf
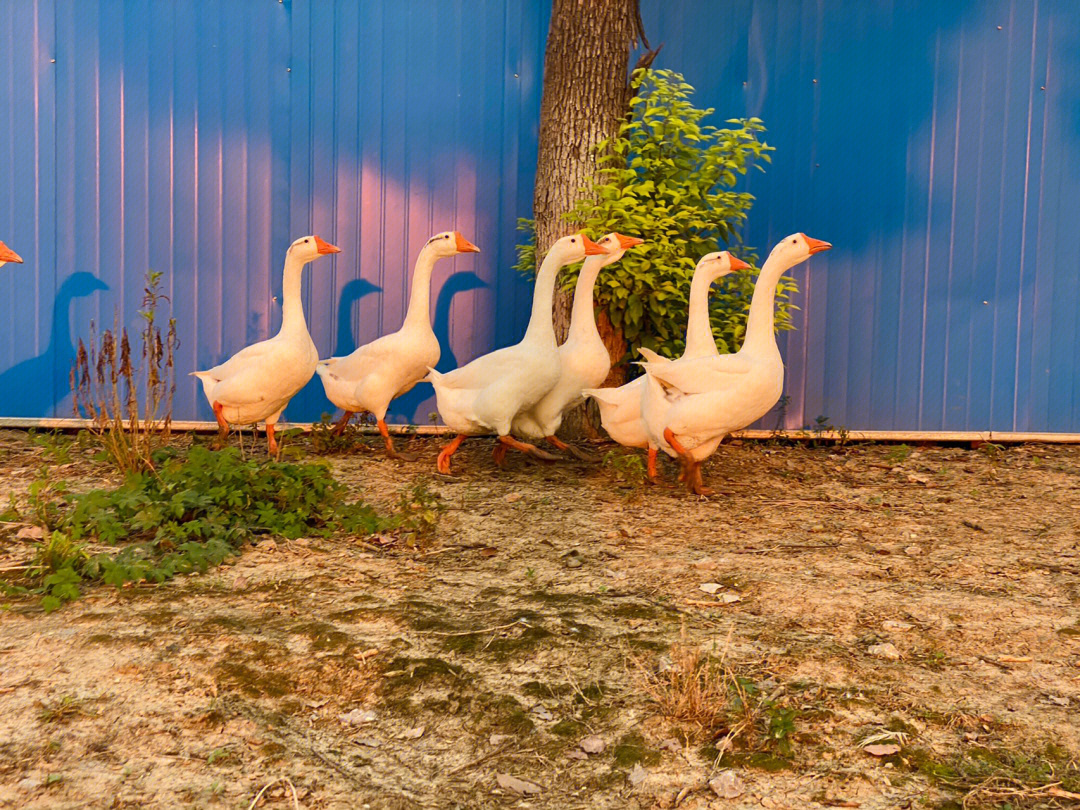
882,749
727,785
520,786
513,496
637,776
30,533
1015,659
710,587
592,744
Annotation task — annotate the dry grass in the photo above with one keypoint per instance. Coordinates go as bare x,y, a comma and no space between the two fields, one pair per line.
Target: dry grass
700,695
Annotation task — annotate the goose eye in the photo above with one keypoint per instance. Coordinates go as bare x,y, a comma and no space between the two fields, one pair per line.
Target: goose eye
447,236
572,241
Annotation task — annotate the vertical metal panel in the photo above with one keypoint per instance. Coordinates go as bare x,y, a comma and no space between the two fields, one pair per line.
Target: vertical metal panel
200,138
936,144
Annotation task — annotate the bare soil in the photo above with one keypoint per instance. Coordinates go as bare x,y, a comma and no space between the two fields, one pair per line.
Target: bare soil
929,599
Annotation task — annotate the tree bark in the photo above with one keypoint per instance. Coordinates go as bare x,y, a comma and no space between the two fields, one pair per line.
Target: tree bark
585,97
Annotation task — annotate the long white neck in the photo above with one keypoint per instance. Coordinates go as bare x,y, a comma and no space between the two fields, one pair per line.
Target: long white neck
699,337
582,316
419,312
760,331
292,306
541,324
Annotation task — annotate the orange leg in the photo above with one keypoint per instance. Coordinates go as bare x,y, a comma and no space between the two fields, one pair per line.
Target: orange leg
498,454
223,426
576,452
390,451
652,464
339,428
530,449
689,466
443,464
694,482
271,442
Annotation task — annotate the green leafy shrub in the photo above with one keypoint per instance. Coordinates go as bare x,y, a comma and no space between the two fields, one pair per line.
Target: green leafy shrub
670,178
192,513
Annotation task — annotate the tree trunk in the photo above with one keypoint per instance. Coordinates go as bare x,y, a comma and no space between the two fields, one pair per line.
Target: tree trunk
585,98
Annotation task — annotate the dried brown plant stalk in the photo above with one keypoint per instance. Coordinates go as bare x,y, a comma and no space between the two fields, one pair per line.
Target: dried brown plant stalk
129,406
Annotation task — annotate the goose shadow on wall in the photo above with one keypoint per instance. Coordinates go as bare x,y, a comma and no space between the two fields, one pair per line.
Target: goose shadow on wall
406,406
33,387
311,400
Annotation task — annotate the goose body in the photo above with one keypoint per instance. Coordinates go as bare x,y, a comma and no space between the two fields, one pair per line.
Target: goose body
583,358
375,374
621,408
488,393
256,383
693,403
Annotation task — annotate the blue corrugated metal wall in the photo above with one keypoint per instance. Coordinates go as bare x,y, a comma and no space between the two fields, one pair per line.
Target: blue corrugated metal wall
937,145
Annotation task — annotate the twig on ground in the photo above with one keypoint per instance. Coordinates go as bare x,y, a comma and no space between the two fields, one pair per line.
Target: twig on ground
514,623
268,785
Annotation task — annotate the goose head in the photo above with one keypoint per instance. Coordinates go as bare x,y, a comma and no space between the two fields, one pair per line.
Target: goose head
616,245
310,248
574,248
8,255
791,250
450,243
718,264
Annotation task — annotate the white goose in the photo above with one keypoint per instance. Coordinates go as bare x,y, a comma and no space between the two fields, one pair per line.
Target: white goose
373,375
8,255
256,383
620,408
693,403
584,357
489,392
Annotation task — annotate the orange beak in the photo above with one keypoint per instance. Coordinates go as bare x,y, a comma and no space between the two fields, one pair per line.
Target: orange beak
9,255
591,248
816,245
326,247
737,264
464,245
627,242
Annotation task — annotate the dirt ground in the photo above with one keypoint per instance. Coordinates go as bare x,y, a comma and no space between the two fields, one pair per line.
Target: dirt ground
928,600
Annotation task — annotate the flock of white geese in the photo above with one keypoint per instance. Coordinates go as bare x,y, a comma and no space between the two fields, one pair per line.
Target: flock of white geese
683,406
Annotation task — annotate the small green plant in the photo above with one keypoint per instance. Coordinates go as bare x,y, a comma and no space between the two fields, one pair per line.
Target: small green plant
56,446
192,512
418,514
628,468
670,178
898,454
220,755
129,406
325,442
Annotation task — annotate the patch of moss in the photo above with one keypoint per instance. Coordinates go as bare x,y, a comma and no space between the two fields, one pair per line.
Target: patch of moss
462,644
897,724
546,690
636,610
253,682
503,713
568,728
549,598
527,641
631,750
158,617
323,635
407,674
